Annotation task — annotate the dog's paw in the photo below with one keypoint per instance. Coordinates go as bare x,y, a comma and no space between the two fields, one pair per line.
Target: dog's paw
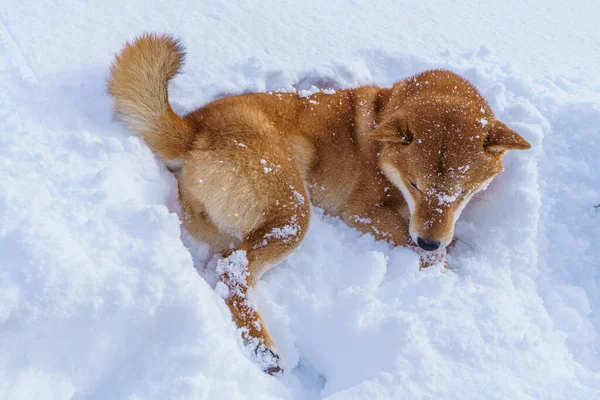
434,258
269,361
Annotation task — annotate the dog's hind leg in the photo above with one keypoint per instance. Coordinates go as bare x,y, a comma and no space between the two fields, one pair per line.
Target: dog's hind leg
250,188
259,251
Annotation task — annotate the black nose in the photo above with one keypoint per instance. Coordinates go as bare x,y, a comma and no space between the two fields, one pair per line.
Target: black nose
429,245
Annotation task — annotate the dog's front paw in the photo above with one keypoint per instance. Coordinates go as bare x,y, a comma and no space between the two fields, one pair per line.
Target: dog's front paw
433,258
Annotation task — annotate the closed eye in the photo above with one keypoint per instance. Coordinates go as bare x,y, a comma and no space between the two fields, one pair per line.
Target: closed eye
414,185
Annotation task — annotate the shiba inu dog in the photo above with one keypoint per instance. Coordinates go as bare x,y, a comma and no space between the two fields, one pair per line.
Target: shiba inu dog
398,163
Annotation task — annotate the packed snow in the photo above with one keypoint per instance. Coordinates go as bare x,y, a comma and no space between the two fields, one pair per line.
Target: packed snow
103,296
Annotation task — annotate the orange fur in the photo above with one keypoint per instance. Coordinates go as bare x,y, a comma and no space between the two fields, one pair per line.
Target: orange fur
399,163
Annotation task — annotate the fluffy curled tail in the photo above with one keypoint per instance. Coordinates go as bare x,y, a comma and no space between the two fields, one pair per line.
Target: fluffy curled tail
138,82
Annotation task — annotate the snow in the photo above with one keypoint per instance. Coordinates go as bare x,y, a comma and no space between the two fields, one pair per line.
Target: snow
286,231
103,296
235,269
443,198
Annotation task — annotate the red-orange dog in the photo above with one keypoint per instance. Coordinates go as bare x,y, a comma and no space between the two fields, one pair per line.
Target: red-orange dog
398,163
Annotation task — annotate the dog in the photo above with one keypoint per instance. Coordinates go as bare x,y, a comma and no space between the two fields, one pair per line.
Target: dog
398,163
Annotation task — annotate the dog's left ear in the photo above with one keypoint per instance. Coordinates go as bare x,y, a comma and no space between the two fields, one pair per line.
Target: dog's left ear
501,138
394,129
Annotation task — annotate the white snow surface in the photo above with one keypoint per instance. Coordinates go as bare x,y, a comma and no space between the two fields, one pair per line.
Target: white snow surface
102,296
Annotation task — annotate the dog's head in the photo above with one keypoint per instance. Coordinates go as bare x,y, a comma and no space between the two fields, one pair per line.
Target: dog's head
439,151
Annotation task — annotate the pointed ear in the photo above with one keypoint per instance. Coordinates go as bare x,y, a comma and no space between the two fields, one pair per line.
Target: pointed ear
394,129
501,138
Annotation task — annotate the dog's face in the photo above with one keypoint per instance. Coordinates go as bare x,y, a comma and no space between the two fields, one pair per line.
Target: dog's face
439,153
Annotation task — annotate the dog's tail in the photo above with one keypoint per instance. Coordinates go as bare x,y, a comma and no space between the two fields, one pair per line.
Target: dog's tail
138,81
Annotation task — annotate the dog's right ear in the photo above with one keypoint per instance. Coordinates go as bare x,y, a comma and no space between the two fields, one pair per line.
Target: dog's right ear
394,129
